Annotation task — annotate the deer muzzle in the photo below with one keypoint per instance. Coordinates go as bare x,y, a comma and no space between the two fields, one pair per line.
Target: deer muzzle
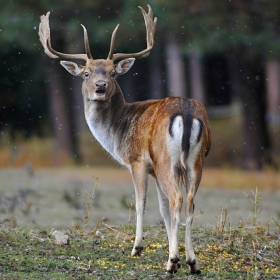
101,87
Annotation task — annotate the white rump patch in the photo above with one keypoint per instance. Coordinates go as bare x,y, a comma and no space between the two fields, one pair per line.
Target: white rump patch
174,142
194,146
195,132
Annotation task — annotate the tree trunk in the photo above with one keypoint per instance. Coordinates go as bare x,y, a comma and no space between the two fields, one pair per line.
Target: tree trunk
233,67
59,112
78,106
156,77
73,103
196,78
255,135
176,78
273,91
61,100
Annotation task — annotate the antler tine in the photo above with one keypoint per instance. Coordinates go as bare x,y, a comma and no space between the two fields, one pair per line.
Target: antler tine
112,46
87,47
150,32
44,34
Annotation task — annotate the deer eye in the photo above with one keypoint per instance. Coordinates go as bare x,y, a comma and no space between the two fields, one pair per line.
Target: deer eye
113,74
86,74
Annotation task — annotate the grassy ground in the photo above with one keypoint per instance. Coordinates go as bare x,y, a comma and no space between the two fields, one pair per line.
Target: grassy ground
104,253
236,234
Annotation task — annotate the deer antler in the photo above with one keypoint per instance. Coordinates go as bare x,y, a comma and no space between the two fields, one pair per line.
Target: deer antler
150,31
45,38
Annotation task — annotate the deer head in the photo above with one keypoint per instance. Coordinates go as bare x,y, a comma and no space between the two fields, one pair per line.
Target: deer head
99,74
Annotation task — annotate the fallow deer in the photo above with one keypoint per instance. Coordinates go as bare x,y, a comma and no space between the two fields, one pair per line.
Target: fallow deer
168,139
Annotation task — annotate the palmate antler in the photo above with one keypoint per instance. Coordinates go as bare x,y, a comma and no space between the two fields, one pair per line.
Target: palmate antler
150,32
44,34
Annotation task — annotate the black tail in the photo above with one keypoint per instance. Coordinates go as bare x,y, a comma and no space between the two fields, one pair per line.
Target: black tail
187,130
188,120
188,123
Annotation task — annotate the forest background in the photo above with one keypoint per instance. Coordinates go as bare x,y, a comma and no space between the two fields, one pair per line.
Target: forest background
224,54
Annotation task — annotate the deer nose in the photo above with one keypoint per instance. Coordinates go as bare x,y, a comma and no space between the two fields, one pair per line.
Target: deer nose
101,85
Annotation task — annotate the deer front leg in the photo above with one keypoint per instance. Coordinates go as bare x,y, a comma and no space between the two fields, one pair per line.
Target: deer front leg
139,176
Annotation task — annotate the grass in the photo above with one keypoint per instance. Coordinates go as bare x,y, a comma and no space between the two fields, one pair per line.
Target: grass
241,253
250,250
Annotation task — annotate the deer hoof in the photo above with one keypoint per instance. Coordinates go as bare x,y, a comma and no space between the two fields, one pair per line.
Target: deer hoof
194,267
173,265
137,251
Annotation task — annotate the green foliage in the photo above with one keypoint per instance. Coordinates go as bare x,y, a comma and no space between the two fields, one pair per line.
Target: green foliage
208,26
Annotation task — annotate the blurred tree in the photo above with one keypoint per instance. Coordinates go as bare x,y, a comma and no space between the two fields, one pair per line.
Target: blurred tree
176,81
196,77
273,90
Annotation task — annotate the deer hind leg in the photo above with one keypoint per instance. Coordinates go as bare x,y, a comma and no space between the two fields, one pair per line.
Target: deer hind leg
194,164
139,176
193,183
164,209
190,256
175,198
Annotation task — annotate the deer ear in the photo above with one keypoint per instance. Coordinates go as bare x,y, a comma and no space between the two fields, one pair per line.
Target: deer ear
72,68
124,65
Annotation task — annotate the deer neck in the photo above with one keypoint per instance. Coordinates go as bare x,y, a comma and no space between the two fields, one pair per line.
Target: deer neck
103,118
